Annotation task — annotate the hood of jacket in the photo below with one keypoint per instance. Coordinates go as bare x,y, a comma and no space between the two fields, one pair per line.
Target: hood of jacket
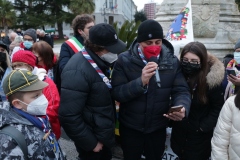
10,117
216,71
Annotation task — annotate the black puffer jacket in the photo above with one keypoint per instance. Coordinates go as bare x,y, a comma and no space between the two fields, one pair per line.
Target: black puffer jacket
191,138
86,109
144,111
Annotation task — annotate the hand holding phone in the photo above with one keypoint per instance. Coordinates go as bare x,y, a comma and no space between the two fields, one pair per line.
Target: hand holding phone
175,109
176,113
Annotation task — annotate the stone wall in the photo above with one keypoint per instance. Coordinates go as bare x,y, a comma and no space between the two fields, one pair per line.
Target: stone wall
216,23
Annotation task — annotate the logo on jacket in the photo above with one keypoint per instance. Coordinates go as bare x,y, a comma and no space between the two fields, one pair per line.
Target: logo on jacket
115,36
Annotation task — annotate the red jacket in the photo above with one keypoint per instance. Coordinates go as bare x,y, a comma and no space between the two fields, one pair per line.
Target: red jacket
53,98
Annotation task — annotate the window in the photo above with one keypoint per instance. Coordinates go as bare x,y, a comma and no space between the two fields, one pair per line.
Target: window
111,4
106,3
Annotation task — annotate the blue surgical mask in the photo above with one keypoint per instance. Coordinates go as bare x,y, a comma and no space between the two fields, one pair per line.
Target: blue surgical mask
27,44
237,57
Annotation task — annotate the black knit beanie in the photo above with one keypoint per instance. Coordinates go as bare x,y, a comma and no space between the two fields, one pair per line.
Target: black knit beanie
149,29
32,33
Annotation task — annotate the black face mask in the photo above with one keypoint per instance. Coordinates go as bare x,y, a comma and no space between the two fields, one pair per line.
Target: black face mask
190,69
2,57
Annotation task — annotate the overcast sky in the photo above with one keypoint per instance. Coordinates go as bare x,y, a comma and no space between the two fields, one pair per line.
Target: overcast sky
140,3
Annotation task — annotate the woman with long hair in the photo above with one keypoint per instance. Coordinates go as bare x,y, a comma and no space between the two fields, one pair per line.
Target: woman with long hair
45,57
191,137
226,137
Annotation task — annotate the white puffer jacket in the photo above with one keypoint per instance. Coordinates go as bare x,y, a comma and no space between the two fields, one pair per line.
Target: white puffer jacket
226,138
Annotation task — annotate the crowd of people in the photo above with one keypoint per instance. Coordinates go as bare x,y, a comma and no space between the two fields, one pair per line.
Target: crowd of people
195,94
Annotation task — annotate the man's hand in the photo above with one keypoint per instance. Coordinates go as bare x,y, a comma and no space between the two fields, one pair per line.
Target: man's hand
148,71
98,147
176,116
235,80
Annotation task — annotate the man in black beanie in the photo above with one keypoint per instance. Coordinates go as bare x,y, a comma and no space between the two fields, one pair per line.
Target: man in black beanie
147,81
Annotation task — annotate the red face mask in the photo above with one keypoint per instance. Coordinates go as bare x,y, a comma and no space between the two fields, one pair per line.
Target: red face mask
151,51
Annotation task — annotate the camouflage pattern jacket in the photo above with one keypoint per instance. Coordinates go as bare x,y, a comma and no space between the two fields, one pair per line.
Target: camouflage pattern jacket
38,148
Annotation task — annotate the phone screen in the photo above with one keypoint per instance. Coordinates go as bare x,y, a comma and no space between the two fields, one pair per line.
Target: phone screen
175,109
232,72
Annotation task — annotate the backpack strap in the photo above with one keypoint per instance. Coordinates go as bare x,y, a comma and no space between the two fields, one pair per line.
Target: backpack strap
74,44
17,136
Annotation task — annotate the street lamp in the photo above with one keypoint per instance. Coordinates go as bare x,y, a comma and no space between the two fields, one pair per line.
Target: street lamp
103,9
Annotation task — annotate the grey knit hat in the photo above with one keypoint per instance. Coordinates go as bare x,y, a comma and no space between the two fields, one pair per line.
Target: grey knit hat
32,33
237,45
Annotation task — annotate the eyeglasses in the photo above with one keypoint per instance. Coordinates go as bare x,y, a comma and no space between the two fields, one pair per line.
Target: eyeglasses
192,61
25,39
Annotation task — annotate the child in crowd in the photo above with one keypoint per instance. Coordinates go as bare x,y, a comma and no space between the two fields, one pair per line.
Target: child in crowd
24,59
28,115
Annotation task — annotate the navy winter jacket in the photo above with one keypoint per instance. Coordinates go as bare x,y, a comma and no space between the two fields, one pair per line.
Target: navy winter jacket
141,110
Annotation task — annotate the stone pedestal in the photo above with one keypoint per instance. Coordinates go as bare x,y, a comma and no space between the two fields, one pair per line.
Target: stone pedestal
216,23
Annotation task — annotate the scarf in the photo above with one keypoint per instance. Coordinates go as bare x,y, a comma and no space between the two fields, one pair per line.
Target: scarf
231,64
95,66
230,89
43,124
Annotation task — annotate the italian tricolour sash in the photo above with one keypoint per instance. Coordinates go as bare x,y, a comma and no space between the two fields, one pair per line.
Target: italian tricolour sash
74,44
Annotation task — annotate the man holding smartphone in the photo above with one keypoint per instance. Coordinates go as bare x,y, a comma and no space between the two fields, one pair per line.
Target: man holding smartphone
144,98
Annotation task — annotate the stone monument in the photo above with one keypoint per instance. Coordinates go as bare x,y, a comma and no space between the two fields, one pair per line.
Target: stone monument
216,23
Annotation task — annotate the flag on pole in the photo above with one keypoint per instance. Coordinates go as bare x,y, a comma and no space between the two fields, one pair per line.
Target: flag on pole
180,31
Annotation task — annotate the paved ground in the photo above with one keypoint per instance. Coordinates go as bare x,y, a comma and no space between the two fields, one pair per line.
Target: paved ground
69,148
57,48
66,144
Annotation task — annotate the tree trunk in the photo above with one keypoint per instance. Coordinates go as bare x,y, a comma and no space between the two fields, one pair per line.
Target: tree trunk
5,27
6,30
60,30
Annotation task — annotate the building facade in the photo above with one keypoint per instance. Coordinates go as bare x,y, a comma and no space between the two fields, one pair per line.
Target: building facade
106,11
110,11
150,10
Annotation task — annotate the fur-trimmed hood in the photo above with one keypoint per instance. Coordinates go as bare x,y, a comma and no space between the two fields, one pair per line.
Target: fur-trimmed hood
216,73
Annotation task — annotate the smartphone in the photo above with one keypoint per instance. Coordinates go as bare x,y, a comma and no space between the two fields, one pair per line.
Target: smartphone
175,109
232,72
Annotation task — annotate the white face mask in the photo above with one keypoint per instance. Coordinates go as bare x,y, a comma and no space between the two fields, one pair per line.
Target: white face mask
37,106
109,57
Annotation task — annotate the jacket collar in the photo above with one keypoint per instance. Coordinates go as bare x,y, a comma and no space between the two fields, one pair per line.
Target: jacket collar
80,39
11,117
